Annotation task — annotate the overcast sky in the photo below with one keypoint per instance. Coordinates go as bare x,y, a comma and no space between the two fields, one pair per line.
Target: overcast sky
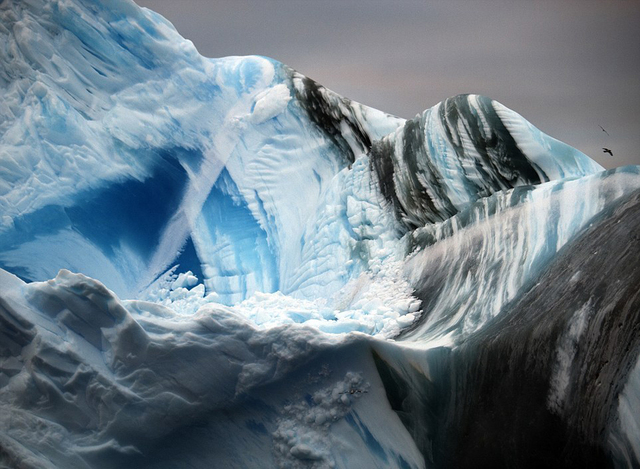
568,66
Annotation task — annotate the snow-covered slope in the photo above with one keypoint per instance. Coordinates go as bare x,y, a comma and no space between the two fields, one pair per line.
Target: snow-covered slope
221,263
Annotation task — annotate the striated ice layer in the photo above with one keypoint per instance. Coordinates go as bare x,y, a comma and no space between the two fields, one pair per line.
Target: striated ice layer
466,269
268,274
461,150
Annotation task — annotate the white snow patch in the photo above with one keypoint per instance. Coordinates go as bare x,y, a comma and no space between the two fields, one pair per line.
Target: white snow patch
302,438
565,355
270,103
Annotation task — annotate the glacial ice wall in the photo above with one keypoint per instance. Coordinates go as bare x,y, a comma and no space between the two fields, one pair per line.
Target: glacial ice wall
193,135
220,262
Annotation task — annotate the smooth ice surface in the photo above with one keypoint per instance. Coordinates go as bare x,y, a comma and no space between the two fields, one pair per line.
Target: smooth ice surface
219,262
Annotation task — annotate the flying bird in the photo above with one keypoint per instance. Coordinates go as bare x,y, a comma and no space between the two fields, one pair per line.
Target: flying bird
604,130
606,150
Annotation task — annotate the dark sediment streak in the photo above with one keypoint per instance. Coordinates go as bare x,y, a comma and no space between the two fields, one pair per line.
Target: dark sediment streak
328,117
495,401
413,183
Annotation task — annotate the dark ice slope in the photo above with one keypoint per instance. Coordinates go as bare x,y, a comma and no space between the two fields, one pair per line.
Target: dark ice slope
540,385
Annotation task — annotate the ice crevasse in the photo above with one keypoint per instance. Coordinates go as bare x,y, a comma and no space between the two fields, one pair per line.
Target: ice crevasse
221,263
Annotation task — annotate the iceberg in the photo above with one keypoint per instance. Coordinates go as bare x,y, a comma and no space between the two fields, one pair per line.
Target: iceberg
222,263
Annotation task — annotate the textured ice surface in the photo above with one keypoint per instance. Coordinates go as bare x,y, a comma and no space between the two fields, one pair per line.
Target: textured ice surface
221,263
